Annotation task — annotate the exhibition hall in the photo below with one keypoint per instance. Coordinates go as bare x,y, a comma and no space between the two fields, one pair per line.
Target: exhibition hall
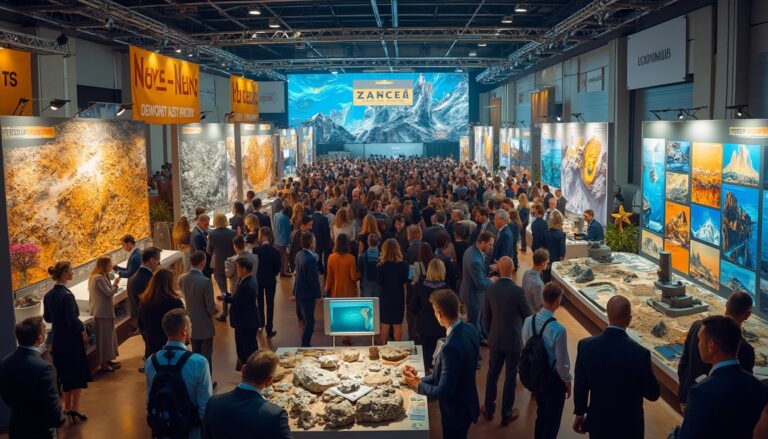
384,219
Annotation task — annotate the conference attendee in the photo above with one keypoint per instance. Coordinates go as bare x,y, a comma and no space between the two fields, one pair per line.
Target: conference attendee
341,277
283,238
201,306
554,240
68,339
101,292
137,283
230,268
524,211
438,225
594,228
264,220
551,204
561,201
304,226
266,274
245,317
181,237
484,224
538,228
419,266
427,326
244,411
506,241
199,237
248,202
343,225
460,245
532,283
504,311
761,429
237,222
414,242
452,381
306,288
28,385
399,232
251,233
368,268
475,280
159,298
728,403
322,230
550,399
613,375
220,248
392,276
134,257
195,373
547,195
691,367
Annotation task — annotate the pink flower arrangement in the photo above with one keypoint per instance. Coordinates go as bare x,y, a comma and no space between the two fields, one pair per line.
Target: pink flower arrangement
24,256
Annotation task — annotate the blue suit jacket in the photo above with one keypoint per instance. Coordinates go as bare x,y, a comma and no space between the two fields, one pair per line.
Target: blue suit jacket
504,245
538,230
452,381
307,284
198,240
474,279
595,232
725,405
134,262
244,413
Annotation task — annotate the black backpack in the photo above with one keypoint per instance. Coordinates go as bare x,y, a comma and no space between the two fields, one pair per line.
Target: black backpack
535,368
170,411
371,269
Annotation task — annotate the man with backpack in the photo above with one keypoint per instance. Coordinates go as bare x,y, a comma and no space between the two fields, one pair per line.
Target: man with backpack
178,383
545,368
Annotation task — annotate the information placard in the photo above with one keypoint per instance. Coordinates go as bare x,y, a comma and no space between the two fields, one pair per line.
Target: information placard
245,99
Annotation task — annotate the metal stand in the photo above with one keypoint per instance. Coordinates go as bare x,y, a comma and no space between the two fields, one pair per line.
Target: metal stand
373,340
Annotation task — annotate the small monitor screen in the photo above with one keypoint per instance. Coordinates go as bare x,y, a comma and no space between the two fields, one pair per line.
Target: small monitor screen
351,316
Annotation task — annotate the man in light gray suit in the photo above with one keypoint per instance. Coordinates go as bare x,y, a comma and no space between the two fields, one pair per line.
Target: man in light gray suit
230,267
201,306
475,280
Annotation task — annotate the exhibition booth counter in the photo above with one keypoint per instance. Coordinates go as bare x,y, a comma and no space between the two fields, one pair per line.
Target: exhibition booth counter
350,391
590,284
574,248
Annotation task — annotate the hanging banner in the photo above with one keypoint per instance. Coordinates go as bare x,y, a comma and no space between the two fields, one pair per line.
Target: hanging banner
15,81
245,99
165,90
657,56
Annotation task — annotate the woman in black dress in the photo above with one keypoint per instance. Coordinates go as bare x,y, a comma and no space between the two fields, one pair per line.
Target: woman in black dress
428,327
154,303
69,338
392,276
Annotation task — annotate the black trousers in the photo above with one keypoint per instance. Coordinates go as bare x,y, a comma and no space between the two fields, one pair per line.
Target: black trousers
245,343
267,293
428,345
410,318
307,308
497,360
204,347
550,401
456,433
523,238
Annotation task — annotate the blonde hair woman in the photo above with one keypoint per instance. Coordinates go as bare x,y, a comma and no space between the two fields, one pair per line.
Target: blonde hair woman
181,240
370,227
100,293
342,225
392,276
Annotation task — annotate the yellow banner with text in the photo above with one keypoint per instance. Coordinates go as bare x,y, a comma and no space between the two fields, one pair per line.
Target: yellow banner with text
15,81
245,99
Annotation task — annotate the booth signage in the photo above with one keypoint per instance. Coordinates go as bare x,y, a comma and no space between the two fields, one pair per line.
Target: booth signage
165,90
245,99
271,97
657,56
15,80
386,92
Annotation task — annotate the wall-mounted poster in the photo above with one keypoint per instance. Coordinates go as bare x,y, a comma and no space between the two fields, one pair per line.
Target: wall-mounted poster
484,146
707,163
678,157
651,244
288,151
677,187
464,149
551,159
679,256
705,224
505,147
676,224
205,166
73,187
257,149
735,278
705,264
522,161
764,239
741,164
307,145
739,225
653,185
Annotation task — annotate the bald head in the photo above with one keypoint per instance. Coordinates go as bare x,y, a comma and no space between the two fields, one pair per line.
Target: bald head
619,311
506,267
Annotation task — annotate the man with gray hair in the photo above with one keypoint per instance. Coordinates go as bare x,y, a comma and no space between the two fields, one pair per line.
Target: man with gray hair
506,243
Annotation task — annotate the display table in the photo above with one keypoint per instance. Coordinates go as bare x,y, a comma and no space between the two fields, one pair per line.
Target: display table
632,276
383,376
573,248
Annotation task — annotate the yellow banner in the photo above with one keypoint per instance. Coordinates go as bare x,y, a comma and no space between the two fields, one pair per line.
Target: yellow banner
382,92
15,80
245,99
29,132
165,90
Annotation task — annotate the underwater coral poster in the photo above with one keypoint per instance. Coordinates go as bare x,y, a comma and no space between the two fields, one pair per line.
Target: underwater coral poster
739,225
653,185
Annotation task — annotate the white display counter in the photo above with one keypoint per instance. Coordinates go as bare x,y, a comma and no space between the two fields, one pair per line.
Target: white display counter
573,248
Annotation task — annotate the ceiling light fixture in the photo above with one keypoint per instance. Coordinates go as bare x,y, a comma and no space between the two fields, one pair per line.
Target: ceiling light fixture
680,114
458,70
521,9
55,104
559,118
274,24
177,50
253,10
472,53
740,111
482,44
507,19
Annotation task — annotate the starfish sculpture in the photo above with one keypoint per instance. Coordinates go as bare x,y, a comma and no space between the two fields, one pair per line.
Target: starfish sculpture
621,217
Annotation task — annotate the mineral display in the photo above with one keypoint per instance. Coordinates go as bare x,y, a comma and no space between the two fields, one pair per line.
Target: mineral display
258,162
350,355
339,412
393,354
313,378
203,176
382,404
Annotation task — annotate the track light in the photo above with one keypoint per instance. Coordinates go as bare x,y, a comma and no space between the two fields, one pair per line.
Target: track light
253,10
482,44
204,114
62,40
55,104
680,114
123,108
740,111
472,53
177,50
520,9
334,72
109,22
507,19
458,70
578,116
559,118
273,23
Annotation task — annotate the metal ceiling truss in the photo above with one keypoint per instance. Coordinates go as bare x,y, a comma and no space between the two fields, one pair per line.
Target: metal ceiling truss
383,63
32,43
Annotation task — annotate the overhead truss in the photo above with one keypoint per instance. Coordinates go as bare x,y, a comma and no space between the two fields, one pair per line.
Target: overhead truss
410,62
32,43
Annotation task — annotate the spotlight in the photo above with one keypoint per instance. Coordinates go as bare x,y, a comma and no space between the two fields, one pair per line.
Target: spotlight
204,114
334,72
253,10
507,19
482,44
521,9
190,55
578,116
55,104
273,23
472,53
680,114
740,110
109,22
559,118
123,108
62,40
177,50
458,70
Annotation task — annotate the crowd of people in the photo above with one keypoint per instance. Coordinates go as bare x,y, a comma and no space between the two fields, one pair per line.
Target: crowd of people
424,235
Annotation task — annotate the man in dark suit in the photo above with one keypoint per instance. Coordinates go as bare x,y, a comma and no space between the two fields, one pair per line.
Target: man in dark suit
322,231
264,220
505,244
437,226
150,262
561,201
244,411
134,257
504,311
306,288
244,315
475,280
538,229
219,249
484,224
691,366
547,194
452,381
594,228
198,240
613,375
728,403
28,385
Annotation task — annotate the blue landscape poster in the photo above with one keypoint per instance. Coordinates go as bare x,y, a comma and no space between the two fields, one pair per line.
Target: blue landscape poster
735,278
764,241
739,225
705,224
653,185
741,164
551,158
678,156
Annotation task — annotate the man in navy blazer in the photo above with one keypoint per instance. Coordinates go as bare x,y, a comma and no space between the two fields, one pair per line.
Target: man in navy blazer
244,412
729,402
538,229
321,228
613,375
594,229
306,288
475,280
506,243
452,381
244,312
198,240
134,257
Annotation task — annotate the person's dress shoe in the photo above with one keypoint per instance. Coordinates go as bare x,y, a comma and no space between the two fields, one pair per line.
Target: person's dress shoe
214,385
221,319
141,370
506,420
271,334
488,416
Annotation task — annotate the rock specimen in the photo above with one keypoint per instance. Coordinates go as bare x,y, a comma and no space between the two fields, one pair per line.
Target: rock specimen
586,276
575,270
328,361
313,378
382,404
376,379
327,396
339,412
283,387
203,164
374,367
393,354
659,330
268,391
282,400
290,361
350,355
750,336
348,386
280,373
373,352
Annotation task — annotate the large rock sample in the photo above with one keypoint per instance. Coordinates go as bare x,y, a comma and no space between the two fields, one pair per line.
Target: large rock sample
339,412
393,354
203,163
257,157
314,378
382,404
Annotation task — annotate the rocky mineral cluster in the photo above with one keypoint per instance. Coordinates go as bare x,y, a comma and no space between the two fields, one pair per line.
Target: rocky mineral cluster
203,176
339,412
382,404
313,378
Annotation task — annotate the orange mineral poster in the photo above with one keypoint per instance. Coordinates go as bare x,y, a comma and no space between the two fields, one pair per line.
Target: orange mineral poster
245,99
15,81
165,90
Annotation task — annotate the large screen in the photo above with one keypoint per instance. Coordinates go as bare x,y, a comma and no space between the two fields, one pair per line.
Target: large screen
380,107
351,316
